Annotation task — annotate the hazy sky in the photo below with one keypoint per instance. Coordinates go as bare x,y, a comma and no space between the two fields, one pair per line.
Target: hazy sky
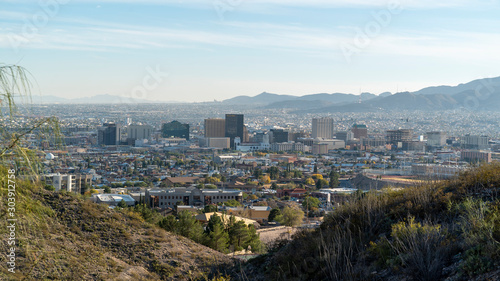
180,50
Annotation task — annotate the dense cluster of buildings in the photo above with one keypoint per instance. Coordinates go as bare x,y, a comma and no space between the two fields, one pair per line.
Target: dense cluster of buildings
163,163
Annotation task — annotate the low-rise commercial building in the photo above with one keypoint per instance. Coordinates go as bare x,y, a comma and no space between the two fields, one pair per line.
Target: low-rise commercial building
169,198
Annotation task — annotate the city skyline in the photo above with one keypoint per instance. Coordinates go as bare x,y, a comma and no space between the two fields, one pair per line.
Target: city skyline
192,51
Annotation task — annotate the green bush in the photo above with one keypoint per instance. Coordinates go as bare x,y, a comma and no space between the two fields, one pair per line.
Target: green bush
423,249
476,261
49,187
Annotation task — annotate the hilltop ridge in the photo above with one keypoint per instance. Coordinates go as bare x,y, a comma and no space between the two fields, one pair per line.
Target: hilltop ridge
64,237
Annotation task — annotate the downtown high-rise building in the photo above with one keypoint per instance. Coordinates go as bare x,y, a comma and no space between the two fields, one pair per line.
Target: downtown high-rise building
215,128
139,132
360,131
278,135
399,135
234,127
436,139
175,129
322,128
109,134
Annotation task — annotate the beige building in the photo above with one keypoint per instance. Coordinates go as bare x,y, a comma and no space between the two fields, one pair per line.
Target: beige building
215,128
139,132
320,148
475,156
322,128
287,146
218,142
259,213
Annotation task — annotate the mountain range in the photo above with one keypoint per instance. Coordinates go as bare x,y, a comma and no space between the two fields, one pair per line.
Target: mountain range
481,94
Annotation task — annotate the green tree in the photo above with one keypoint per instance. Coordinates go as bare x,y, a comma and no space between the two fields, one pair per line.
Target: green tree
212,180
334,179
122,204
238,235
232,203
189,227
107,189
210,208
309,181
218,238
274,186
273,173
210,186
214,220
273,214
297,174
310,203
290,216
168,223
321,183
257,173
253,241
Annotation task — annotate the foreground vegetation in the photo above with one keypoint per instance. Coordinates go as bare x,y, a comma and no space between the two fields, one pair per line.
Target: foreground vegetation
60,236
448,229
219,235
444,230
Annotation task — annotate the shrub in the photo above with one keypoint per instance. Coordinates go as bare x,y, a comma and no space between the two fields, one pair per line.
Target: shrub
338,251
422,248
476,262
290,216
49,187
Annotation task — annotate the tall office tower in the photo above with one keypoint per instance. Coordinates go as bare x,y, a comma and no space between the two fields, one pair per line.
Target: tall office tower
175,129
139,132
436,138
322,128
109,134
234,127
278,135
401,135
215,128
359,131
